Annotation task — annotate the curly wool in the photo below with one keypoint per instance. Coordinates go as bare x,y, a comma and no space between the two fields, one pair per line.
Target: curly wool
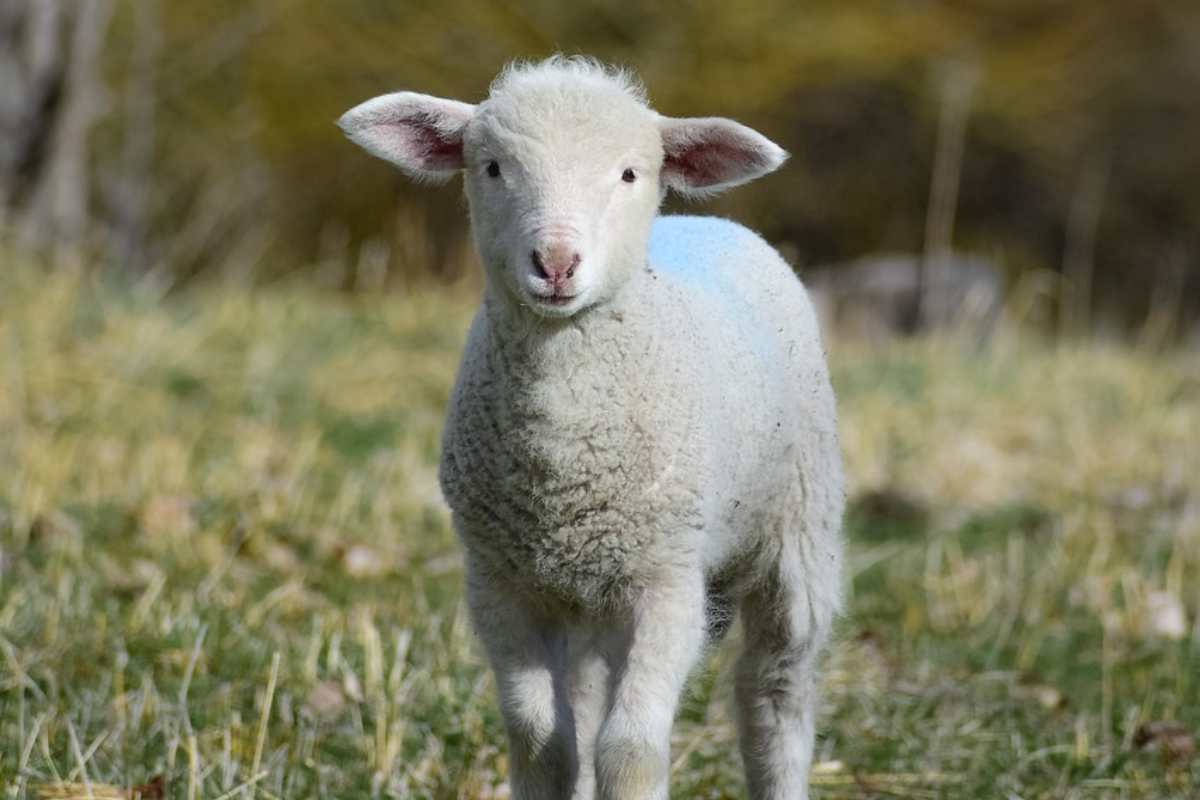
696,417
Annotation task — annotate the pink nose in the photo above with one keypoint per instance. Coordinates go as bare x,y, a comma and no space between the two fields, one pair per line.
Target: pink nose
556,263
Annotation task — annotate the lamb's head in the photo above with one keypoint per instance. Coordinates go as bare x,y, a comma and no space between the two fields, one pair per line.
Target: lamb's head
565,165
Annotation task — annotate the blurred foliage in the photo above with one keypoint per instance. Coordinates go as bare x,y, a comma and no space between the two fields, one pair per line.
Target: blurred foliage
248,162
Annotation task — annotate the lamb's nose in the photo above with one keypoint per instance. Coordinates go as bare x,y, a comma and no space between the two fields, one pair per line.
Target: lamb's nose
556,263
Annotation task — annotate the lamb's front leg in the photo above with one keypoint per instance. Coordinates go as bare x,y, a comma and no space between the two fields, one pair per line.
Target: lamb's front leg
665,638
528,657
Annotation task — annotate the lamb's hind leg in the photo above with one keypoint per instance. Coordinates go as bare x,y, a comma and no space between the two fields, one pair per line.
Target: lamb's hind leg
786,623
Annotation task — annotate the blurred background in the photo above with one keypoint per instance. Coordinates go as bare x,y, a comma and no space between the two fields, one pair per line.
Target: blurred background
1043,151
227,339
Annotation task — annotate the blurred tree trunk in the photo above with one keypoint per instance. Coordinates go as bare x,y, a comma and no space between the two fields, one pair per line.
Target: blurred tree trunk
1083,221
958,79
958,83
32,70
50,97
131,189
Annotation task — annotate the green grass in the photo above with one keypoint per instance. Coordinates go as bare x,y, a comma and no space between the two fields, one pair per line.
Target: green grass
193,488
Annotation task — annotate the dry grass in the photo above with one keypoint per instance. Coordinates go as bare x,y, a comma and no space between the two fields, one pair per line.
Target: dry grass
226,571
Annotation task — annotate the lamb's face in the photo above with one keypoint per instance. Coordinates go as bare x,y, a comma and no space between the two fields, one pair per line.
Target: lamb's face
563,184
565,166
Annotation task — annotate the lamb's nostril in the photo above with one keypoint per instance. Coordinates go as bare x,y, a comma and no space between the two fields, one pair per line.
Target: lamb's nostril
538,266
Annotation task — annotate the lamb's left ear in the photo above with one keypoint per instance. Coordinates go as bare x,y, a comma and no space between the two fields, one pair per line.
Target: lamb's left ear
705,155
422,135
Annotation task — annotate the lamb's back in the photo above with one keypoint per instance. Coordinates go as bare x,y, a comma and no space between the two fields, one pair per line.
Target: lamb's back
748,293
766,386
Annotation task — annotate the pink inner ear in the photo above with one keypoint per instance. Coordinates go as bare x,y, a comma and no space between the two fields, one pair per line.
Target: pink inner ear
716,157
428,145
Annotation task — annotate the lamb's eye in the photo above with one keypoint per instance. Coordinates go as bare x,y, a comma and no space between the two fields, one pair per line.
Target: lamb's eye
629,176
493,169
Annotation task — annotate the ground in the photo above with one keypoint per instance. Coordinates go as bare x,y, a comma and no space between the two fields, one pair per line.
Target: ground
226,571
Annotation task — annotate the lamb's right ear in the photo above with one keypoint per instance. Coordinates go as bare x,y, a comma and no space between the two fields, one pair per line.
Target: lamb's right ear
422,135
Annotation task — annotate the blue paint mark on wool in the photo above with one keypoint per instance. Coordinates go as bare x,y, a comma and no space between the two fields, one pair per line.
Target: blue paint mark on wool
707,253
700,250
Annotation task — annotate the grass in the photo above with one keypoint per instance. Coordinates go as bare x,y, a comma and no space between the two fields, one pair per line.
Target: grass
225,570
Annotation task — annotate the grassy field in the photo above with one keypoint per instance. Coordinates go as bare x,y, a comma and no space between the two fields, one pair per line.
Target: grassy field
225,569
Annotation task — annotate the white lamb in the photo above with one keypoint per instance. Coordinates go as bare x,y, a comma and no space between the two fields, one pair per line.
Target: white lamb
642,436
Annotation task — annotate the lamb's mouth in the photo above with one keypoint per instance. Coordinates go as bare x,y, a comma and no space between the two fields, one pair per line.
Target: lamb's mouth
555,299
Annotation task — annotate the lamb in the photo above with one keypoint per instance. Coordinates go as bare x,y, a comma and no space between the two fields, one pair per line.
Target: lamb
642,435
